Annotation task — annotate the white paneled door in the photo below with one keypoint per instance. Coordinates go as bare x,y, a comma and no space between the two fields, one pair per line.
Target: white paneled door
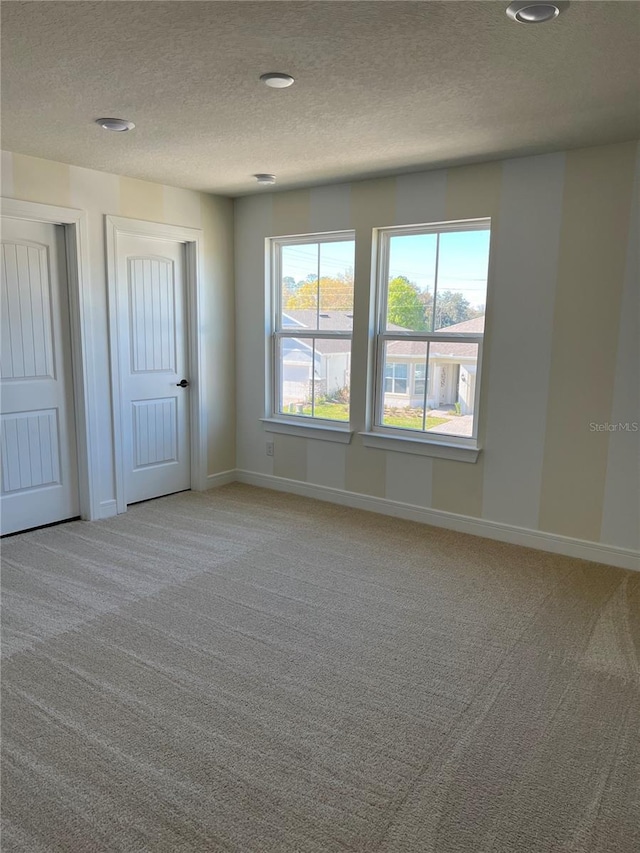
39,455
153,357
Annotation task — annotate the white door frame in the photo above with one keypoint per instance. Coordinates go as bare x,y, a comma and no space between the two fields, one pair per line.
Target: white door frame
192,238
74,223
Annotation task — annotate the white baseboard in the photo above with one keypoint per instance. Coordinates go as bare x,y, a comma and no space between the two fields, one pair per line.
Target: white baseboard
221,479
108,509
624,558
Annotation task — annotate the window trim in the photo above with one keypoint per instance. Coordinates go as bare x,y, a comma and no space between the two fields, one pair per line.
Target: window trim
420,447
317,428
442,443
290,423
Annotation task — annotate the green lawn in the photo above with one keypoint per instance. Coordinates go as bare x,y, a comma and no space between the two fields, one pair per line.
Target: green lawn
412,421
340,412
330,411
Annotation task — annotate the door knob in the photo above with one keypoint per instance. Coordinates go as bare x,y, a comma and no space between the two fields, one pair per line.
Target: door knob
182,384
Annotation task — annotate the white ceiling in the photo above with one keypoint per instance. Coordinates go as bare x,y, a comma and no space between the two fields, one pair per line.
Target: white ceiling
381,87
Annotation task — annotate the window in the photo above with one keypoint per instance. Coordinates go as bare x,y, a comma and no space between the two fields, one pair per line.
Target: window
432,289
395,377
312,297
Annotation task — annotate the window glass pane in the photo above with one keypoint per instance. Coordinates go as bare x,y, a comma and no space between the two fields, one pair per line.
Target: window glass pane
402,406
337,260
452,373
296,374
299,284
461,292
315,377
332,376
449,371
412,269
311,303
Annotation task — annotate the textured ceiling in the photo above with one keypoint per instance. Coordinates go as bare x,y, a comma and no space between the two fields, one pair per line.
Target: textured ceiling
380,87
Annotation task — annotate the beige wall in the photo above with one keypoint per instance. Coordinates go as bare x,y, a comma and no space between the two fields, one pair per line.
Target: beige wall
100,193
561,346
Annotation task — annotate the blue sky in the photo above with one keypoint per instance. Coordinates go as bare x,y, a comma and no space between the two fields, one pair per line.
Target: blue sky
300,260
463,262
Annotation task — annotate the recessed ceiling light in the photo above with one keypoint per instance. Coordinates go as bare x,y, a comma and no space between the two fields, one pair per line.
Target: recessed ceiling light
263,178
277,80
526,12
118,125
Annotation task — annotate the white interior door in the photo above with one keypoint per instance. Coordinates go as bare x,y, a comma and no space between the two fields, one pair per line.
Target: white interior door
39,454
152,334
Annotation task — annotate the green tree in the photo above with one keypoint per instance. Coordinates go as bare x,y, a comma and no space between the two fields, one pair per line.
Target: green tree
288,287
404,306
336,294
452,308
426,298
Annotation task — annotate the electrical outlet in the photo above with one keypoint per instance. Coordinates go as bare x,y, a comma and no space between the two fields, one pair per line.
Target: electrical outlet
270,448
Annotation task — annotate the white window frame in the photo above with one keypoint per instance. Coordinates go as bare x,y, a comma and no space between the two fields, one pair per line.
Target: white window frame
462,448
290,423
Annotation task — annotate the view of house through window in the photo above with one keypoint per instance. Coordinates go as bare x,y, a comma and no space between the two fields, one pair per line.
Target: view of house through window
433,287
313,326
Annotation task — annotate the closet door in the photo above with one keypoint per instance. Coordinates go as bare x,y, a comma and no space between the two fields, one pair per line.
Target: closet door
39,454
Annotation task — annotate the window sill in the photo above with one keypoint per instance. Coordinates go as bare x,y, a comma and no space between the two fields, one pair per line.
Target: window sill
323,432
421,447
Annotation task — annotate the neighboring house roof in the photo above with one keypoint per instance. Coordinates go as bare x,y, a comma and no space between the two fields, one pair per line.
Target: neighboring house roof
445,349
335,321
339,321
474,326
306,318
323,347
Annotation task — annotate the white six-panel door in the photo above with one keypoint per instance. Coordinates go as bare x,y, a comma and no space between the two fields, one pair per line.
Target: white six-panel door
153,355
39,455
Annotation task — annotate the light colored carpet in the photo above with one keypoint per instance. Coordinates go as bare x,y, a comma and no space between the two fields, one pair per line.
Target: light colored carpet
254,672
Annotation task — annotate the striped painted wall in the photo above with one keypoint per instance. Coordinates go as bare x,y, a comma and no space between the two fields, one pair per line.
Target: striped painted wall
100,193
561,341
561,348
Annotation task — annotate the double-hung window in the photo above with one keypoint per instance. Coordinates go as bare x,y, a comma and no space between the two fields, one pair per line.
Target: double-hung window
312,326
432,291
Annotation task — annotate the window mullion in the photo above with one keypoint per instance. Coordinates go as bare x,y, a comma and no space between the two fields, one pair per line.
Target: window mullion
313,378
318,296
434,337
329,334
276,289
435,284
276,379
378,389
426,386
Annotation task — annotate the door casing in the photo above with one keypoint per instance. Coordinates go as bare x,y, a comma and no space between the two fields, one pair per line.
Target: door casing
192,238
76,241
